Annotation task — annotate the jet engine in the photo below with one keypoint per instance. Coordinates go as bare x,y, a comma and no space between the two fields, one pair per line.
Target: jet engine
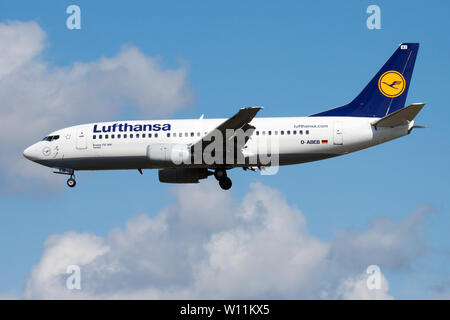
183,175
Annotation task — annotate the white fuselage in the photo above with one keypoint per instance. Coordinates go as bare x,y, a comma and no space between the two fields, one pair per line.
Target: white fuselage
102,146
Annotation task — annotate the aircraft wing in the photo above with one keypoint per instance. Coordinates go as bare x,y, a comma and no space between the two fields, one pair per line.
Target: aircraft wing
240,120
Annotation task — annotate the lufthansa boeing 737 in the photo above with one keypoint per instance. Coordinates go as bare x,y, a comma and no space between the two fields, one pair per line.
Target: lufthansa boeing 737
187,151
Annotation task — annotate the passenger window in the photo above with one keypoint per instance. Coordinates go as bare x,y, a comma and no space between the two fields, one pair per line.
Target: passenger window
186,134
137,135
100,136
294,132
131,135
125,135
106,136
288,132
143,135
156,135
300,132
198,134
94,137
257,133
168,135
269,132
112,136
149,135
180,134
276,132
118,136
282,132
263,133
192,134
307,131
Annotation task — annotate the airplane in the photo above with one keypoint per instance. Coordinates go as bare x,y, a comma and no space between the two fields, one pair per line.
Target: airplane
190,150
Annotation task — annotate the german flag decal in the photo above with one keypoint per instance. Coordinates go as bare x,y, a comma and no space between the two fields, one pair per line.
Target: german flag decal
324,141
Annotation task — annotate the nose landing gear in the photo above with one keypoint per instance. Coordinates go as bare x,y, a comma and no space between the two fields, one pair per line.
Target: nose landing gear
224,182
70,172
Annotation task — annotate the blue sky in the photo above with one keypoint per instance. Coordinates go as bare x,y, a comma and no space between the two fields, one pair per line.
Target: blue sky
292,57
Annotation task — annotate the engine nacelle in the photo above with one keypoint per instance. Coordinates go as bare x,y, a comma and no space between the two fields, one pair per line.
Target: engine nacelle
168,153
182,175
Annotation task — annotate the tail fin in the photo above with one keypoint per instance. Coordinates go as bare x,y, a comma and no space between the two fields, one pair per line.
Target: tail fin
386,92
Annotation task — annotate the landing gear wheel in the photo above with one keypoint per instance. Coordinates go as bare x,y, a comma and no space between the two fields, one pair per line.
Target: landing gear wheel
225,183
71,182
220,174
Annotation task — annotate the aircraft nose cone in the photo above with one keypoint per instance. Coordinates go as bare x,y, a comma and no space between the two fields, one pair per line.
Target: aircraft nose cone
29,154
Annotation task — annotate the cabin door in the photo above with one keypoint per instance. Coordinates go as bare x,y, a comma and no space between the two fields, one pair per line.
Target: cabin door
338,133
81,138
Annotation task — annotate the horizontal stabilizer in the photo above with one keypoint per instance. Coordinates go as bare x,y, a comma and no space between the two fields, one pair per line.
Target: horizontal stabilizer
400,117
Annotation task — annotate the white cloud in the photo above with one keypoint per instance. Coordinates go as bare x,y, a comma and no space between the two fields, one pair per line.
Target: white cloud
389,243
209,245
61,251
38,97
355,288
21,42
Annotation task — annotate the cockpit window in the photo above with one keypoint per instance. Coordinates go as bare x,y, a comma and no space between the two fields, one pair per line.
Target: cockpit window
51,138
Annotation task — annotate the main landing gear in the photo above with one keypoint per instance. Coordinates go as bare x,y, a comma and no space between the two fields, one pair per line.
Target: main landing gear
71,182
221,176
